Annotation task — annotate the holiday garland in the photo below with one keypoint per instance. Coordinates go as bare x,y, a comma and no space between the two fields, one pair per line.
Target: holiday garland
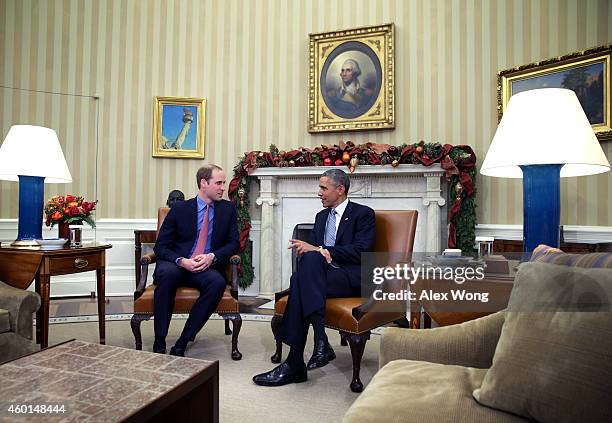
458,162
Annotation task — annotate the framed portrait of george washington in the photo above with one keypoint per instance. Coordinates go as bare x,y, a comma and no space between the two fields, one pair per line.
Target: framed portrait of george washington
351,80
179,127
587,73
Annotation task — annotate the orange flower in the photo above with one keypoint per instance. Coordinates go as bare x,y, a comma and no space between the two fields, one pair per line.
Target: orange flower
72,204
56,215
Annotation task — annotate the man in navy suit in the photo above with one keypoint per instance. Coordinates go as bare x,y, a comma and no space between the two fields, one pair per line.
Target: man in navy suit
193,253
330,267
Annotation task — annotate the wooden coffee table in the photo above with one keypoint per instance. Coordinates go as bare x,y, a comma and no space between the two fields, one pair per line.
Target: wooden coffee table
79,380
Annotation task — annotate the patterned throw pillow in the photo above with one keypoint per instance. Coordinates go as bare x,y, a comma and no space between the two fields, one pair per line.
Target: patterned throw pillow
544,253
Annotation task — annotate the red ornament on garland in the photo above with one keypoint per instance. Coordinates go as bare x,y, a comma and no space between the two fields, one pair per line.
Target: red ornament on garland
339,162
419,149
327,162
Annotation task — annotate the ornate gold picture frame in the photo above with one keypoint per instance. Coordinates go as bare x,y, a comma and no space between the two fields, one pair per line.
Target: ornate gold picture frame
351,80
179,127
588,73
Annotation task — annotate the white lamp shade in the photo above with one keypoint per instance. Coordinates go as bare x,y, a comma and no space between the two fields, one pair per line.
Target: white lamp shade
544,126
33,151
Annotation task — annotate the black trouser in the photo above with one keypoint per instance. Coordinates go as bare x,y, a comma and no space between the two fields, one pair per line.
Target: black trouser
314,281
168,277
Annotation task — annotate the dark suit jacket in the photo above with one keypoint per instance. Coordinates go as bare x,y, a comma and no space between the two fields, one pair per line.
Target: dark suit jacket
180,227
356,234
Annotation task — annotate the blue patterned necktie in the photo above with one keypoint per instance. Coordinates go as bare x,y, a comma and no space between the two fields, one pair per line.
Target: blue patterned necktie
330,229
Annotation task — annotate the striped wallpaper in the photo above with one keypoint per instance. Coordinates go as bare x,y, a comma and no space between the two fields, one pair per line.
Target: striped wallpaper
249,59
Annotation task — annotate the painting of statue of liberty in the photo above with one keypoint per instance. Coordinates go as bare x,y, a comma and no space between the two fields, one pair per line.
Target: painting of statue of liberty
179,129
179,125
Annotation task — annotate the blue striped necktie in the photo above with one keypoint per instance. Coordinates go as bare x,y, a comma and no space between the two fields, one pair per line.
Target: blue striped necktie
330,229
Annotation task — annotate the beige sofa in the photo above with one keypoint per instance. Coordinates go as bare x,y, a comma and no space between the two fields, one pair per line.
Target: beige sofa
16,317
549,362
429,375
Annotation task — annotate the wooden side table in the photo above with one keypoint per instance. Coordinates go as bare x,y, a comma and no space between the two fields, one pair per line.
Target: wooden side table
141,236
19,266
446,313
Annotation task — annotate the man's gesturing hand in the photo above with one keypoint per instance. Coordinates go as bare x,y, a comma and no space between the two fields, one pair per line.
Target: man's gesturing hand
301,247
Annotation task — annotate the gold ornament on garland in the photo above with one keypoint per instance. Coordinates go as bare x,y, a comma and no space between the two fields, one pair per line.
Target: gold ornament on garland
395,163
458,190
241,196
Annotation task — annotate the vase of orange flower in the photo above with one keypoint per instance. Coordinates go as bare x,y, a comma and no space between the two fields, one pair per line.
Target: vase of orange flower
69,210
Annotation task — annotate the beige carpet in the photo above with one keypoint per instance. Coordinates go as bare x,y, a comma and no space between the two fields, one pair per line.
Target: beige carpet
325,397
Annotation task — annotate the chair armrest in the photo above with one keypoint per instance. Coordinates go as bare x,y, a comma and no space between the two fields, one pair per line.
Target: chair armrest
145,261
281,294
148,258
470,344
21,305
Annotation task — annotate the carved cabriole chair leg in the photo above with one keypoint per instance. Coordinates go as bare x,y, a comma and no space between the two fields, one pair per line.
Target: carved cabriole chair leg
343,341
137,319
228,331
237,324
278,354
357,344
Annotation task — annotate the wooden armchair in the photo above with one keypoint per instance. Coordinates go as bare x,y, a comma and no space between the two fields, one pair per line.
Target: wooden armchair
353,317
227,308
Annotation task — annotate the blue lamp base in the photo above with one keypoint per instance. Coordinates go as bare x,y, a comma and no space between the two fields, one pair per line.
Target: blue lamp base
31,201
541,205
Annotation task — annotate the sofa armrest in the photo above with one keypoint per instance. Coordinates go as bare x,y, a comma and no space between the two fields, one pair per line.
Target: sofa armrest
470,344
21,305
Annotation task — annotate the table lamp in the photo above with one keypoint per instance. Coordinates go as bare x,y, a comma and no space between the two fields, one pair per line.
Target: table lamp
543,135
33,156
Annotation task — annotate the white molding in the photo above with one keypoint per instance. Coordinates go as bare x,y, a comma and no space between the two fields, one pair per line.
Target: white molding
571,233
510,232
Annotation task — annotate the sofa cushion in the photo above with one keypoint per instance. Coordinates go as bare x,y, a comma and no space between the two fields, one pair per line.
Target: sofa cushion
5,321
544,253
552,361
417,391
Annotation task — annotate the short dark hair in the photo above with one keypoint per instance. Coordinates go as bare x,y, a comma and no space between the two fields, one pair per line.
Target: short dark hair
339,177
205,172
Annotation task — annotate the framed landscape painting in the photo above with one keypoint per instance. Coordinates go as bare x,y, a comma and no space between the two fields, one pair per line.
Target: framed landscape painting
587,73
351,80
179,127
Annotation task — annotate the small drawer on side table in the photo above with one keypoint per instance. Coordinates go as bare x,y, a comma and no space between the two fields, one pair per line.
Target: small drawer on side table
74,264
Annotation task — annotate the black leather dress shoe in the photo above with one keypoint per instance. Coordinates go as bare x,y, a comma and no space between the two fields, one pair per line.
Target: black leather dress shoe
282,374
323,353
159,347
177,351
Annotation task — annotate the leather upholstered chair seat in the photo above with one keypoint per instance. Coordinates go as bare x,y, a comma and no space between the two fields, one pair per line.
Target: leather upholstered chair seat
228,306
353,317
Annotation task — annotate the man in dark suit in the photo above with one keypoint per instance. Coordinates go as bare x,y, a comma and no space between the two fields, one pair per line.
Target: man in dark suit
193,253
330,267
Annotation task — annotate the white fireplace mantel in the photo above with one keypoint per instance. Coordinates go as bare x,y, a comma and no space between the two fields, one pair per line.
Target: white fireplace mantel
288,196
